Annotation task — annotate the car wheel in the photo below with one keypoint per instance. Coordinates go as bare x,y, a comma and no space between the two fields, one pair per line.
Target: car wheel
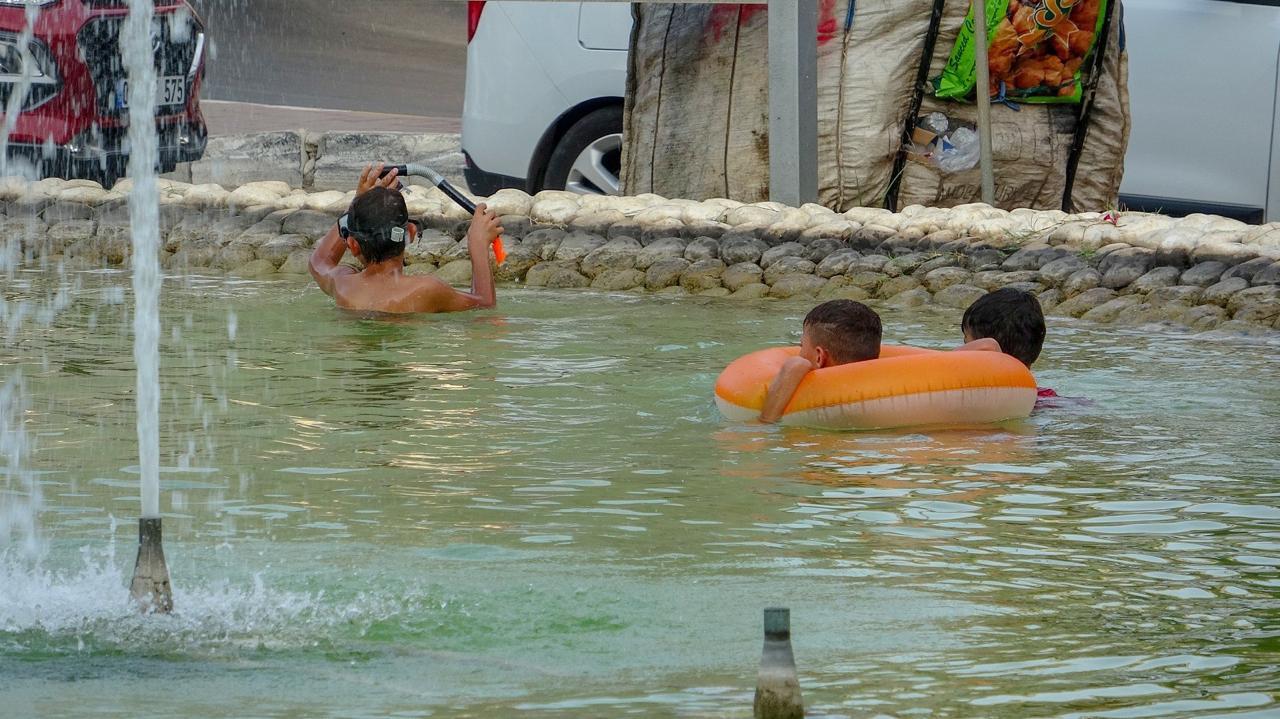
588,158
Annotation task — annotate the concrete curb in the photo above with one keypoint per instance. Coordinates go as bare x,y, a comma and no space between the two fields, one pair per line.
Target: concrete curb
316,160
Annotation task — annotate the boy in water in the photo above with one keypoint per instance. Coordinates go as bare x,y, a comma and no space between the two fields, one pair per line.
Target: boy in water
835,333
1013,319
376,230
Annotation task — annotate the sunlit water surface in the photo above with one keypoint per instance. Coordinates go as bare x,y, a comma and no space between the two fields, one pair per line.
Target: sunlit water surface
537,509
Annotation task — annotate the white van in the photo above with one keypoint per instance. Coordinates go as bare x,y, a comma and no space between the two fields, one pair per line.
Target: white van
546,81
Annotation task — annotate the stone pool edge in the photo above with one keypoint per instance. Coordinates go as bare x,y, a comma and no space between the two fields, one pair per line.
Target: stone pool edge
1202,272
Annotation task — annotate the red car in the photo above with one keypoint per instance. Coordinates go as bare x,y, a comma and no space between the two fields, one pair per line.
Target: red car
74,118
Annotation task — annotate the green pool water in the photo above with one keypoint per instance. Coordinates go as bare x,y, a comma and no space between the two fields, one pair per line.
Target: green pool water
537,510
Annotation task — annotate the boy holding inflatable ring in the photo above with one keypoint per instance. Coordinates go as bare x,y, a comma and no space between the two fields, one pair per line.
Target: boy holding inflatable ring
835,333
1013,321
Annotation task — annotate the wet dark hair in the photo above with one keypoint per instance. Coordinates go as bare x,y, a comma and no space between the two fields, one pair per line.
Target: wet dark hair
1011,317
849,330
373,219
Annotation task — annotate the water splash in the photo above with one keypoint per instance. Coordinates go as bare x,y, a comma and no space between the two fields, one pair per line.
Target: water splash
20,497
61,609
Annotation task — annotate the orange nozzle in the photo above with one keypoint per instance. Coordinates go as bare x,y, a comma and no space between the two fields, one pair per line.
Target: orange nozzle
499,253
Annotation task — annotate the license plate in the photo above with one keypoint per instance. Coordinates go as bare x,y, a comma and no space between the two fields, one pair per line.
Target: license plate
170,90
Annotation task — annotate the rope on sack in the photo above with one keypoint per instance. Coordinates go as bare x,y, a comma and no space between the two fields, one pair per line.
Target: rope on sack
917,97
1100,45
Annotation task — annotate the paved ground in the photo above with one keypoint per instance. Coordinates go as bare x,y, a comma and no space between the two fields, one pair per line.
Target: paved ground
399,64
237,118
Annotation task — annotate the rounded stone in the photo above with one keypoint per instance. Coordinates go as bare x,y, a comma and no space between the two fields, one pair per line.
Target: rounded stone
935,263
1032,257
983,258
842,292
1221,292
1057,271
519,261
787,266
868,281
795,285
236,254
539,241
1248,269
565,278
539,274
959,296
457,272
1155,279
664,272
868,263
1112,309
618,280
297,263
1265,294
836,263
628,228
1176,295
656,231
1085,301
904,264
1269,275
665,249
910,298
278,249
702,275
754,291
742,274
896,286
577,245
870,236
944,277
598,222
1049,299
1203,317
255,268
308,223
820,249
995,280
614,255
1081,281
786,249
741,249
1121,267
702,248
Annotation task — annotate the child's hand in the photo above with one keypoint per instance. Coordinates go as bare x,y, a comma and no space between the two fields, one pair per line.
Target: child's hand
484,228
369,179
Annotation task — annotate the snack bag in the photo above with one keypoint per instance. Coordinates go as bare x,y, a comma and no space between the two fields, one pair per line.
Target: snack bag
1035,48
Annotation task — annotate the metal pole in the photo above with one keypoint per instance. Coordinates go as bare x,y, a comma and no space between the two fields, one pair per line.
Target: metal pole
793,101
982,95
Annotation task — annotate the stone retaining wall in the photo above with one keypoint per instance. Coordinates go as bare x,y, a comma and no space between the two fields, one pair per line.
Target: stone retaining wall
1201,271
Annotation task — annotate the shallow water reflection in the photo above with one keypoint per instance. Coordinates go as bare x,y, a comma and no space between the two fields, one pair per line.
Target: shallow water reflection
539,509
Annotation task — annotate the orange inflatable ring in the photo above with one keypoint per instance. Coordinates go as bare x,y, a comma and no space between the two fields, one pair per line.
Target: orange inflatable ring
905,387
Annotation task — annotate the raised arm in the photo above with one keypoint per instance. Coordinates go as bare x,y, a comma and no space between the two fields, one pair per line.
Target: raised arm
483,231
325,258
328,252
783,387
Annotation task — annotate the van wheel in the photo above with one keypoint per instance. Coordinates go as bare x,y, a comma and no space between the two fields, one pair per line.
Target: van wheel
588,159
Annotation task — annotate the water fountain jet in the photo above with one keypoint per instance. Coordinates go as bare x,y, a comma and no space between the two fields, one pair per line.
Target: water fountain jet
150,586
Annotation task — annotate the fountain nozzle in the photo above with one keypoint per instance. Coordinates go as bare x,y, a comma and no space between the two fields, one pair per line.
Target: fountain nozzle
150,588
